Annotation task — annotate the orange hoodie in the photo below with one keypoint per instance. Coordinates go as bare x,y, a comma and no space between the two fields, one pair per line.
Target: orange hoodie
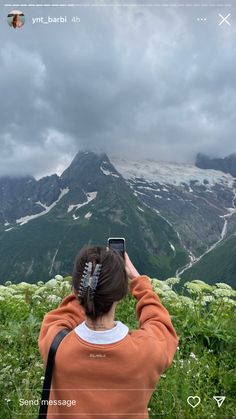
108,380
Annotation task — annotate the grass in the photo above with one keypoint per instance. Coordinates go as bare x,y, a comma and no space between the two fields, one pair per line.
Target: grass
204,364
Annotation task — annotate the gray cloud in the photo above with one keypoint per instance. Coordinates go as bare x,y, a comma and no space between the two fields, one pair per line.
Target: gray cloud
136,82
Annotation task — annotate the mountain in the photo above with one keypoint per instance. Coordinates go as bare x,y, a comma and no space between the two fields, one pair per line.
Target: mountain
178,219
45,223
227,164
199,204
218,265
24,195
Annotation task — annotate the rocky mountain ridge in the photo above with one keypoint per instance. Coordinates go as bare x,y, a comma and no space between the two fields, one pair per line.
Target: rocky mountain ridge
226,164
41,232
177,214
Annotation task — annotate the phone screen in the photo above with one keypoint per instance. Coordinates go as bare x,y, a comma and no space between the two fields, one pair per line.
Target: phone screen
118,245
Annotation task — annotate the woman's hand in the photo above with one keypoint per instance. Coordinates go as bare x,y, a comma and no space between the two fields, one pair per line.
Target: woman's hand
130,268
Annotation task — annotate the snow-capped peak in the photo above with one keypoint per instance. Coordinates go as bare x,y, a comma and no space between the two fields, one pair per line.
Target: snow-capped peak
170,173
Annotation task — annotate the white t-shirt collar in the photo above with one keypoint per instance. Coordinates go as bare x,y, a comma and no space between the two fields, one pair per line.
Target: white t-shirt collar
118,332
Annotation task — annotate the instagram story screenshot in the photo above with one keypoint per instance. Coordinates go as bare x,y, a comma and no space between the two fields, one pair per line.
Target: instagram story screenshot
118,209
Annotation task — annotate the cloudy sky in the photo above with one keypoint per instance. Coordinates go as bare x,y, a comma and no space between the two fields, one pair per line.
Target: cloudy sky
136,82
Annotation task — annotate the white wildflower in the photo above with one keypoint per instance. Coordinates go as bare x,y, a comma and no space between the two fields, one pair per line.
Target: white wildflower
36,297
40,290
181,363
6,291
193,288
186,301
53,299
223,285
162,285
19,297
65,286
172,294
59,277
172,281
198,286
220,292
229,300
24,285
159,291
51,283
207,299
198,281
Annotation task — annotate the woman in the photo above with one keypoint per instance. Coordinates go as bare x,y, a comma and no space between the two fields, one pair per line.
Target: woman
16,21
107,370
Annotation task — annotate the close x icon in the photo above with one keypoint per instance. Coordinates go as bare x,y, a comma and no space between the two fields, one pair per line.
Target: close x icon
224,19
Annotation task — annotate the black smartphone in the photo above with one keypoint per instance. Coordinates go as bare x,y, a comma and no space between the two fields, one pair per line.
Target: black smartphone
118,244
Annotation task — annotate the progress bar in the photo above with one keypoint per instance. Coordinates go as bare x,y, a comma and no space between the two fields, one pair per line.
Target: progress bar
119,5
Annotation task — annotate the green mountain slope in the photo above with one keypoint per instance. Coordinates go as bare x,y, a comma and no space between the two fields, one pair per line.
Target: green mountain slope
216,266
48,244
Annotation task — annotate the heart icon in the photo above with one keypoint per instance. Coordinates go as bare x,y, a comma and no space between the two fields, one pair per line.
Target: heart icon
193,401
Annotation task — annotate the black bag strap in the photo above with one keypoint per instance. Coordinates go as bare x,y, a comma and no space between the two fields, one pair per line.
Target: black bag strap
48,374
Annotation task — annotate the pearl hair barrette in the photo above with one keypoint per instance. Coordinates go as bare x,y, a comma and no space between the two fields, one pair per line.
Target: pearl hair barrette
89,280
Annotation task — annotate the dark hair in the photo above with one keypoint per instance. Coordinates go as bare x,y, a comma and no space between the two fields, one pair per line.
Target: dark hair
14,21
112,283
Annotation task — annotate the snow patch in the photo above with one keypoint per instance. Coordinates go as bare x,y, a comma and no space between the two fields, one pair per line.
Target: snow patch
88,215
53,261
108,173
42,205
224,230
170,173
27,218
141,193
140,209
8,229
105,172
147,188
90,197
172,246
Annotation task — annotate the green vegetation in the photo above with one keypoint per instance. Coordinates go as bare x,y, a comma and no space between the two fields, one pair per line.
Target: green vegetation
217,265
203,366
49,244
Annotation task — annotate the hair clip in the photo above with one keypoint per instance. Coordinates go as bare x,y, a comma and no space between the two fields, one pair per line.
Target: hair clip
88,279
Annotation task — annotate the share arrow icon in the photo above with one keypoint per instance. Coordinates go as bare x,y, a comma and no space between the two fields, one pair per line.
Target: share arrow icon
219,400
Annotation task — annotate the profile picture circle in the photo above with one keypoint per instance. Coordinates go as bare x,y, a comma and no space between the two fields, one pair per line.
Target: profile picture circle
16,19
